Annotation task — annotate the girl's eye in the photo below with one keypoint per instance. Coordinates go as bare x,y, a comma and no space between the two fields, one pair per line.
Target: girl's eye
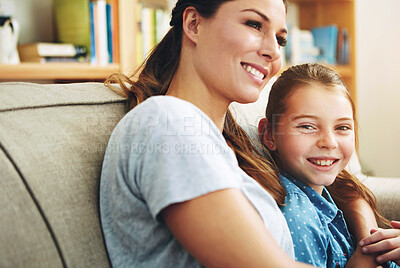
282,41
254,24
343,128
306,127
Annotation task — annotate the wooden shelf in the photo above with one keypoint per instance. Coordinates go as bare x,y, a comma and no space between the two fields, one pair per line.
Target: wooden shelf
55,71
83,71
344,70
155,3
315,13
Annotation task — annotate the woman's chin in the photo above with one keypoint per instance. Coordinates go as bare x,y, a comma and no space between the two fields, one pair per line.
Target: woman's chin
250,97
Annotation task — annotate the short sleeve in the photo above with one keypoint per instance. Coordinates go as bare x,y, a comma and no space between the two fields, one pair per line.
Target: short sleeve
183,156
309,240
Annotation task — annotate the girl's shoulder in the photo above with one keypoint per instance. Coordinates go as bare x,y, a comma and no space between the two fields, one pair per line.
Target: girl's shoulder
290,186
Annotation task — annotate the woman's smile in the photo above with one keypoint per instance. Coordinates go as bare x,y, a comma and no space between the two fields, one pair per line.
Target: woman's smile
256,71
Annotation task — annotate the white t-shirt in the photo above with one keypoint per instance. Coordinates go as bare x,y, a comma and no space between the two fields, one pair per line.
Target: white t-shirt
165,151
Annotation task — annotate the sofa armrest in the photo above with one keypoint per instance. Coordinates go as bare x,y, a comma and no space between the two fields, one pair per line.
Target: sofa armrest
387,192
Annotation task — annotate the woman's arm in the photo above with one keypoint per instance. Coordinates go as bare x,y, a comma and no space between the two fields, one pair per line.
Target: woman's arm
222,229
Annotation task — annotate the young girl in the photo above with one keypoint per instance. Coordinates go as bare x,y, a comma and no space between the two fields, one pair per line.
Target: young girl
310,131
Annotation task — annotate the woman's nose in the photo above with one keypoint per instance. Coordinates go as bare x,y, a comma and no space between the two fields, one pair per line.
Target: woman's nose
270,49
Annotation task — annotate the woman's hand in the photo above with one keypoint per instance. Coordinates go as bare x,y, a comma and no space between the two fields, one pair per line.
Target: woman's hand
383,242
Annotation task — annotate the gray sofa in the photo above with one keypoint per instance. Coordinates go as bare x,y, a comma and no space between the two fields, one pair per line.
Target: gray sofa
52,142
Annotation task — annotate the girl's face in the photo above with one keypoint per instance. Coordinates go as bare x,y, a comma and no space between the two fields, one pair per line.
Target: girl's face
315,137
239,48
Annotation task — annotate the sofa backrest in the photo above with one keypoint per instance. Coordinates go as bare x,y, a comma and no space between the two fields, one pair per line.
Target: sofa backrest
52,142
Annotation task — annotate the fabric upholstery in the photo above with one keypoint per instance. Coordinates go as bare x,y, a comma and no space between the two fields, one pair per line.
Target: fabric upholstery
56,136
22,224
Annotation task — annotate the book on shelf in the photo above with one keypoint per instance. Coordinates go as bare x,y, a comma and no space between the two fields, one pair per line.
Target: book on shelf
300,47
326,44
98,25
114,6
72,21
325,38
37,52
342,54
77,59
104,32
139,34
153,24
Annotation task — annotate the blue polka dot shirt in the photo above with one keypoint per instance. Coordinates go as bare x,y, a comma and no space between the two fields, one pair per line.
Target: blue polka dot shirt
319,232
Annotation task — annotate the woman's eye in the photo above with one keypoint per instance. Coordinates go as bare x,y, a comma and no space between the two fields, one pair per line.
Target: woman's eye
254,24
282,41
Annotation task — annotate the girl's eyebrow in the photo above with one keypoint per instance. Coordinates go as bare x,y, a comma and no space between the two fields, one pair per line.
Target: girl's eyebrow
264,17
345,119
301,116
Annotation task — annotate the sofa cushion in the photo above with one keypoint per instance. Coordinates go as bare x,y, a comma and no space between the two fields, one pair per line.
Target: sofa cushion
22,224
55,137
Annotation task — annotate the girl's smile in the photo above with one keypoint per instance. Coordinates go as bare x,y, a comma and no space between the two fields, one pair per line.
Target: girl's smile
323,163
315,136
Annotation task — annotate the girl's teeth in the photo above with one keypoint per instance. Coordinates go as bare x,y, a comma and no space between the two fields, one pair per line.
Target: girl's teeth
253,71
323,162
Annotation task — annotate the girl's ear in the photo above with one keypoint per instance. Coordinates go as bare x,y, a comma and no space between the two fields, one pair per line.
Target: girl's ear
190,23
266,135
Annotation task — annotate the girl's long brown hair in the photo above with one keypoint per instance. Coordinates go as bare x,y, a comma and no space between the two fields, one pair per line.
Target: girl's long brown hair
346,186
154,78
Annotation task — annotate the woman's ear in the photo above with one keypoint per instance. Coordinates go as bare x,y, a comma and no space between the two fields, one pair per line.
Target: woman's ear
266,135
190,23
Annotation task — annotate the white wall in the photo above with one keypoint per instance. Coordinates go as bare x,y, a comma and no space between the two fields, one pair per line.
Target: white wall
28,11
378,85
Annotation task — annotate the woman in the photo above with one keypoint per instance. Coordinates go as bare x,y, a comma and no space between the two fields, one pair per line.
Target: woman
172,193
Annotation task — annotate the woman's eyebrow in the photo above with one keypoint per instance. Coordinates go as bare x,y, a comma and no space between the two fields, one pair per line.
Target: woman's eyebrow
263,16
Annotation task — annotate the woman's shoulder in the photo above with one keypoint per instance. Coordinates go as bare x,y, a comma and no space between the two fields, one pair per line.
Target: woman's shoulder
168,117
165,105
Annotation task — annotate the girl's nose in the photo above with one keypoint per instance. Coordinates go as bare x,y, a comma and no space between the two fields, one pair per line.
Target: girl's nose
327,140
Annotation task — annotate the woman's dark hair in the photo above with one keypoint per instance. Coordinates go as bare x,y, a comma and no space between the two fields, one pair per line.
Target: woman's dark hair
346,186
155,75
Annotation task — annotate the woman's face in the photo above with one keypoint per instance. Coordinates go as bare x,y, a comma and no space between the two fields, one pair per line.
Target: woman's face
238,49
